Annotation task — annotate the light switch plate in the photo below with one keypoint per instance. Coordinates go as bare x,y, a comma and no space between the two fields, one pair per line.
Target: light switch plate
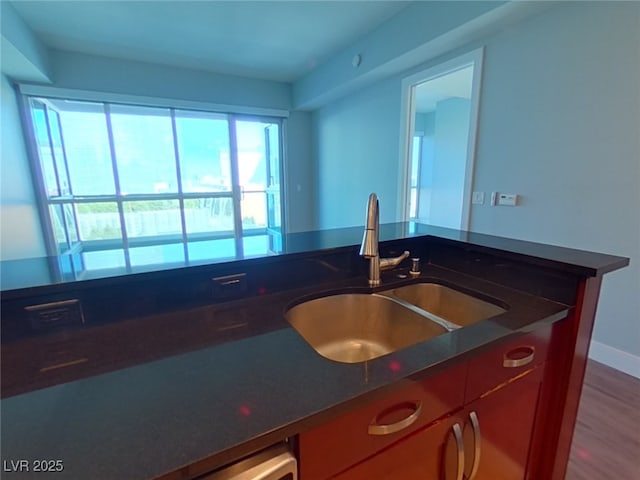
478,198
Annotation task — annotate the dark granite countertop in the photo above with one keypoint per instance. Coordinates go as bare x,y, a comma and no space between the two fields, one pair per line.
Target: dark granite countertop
52,274
224,401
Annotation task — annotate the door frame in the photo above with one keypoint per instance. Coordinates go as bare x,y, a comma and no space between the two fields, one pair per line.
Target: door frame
407,127
280,123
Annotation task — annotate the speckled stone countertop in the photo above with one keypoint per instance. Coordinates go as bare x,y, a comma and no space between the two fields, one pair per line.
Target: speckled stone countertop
27,276
221,402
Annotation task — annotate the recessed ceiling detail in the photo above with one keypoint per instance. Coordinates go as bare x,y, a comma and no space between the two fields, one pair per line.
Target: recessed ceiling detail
271,40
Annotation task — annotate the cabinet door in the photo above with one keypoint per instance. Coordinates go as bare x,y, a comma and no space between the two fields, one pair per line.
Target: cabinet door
434,452
498,430
334,446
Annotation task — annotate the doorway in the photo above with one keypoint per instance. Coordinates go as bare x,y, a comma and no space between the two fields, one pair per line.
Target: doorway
440,119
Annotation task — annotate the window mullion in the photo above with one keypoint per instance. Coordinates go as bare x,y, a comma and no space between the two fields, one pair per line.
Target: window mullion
235,185
176,151
53,153
64,154
62,220
70,185
116,181
282,185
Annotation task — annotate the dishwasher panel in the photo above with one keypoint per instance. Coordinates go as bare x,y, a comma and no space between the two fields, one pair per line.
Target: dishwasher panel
275,463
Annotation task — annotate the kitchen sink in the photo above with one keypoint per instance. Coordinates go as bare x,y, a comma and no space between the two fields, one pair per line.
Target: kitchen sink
446,303
355,327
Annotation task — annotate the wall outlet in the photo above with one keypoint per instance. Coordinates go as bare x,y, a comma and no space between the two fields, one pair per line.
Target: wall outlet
229,286
45,316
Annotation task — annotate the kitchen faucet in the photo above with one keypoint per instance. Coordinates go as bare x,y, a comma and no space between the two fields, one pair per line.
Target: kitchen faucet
370,240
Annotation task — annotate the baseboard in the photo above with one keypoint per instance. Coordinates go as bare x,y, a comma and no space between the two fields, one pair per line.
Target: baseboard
618,359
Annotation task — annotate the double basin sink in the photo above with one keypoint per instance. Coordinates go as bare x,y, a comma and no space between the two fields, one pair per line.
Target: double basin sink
356,327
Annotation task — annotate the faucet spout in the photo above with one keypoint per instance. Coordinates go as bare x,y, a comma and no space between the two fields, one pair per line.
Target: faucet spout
369,246
370,241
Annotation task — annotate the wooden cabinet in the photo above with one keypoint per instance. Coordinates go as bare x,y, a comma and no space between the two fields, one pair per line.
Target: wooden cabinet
472,422
337,445
492,368
434,452
498,429
488,440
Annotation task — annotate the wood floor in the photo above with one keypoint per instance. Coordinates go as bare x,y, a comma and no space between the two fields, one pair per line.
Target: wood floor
606,442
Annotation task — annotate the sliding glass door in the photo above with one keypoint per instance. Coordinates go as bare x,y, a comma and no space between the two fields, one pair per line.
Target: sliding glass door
131,186
259,183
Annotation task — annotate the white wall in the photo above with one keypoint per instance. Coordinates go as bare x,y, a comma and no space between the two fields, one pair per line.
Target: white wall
444,174
426,123
103,74
300,189
20,234
560,125
356,152
23,54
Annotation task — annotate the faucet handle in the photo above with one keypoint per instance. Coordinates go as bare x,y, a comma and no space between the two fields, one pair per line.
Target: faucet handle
415,267
386,263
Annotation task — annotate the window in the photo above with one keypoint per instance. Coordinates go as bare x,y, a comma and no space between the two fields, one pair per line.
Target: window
125,186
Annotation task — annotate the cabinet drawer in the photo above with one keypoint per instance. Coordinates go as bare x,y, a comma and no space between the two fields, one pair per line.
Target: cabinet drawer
336,445
495,367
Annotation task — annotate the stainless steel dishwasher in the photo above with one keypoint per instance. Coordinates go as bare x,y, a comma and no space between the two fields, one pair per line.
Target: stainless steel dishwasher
274,463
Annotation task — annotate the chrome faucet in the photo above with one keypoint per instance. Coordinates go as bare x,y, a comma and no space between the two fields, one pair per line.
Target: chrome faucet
370,239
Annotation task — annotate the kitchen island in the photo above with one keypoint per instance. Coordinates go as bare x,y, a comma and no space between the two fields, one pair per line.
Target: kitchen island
181,384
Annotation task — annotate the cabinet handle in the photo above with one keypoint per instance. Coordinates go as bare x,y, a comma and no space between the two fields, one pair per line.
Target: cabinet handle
509,361
477,439
457,435
376,429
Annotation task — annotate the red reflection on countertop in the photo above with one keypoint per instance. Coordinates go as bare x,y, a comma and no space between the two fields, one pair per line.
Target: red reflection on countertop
395,366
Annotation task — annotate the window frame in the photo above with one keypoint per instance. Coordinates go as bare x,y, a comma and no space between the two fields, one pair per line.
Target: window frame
74,249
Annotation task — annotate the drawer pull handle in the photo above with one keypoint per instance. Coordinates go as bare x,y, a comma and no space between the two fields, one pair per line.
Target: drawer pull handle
477,444
376,429
456,456
519,357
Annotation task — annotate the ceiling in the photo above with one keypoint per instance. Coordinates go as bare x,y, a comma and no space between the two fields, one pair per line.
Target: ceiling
271,40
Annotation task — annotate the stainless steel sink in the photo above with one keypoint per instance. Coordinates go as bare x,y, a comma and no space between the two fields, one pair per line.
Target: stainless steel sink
356,327
447,303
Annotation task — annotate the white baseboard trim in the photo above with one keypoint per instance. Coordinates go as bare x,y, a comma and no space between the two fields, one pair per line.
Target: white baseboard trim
618,359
